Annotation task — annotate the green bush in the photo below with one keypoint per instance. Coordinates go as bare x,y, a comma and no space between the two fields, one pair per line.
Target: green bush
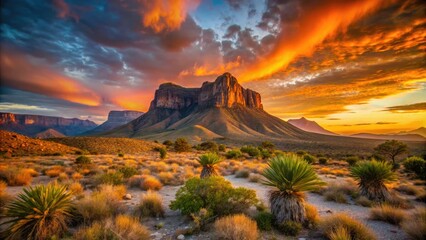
250,150
128,171
182,145
83,160
309,158
208,146
268,145
168,143
222,147
264,220
265,153
163,153
323,160
233,154
112,178
40,212
290,228
352,160
300,153
416,165
214,194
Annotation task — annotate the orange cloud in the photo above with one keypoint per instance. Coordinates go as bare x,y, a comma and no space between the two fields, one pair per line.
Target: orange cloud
205,70
161,15
314,26
20,72
64,10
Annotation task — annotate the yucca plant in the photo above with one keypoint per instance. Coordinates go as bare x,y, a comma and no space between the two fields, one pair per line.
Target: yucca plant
39,213
208,161
371,177
290,175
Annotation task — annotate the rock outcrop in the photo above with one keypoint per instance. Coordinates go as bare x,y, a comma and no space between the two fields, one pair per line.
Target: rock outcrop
115,119
30,125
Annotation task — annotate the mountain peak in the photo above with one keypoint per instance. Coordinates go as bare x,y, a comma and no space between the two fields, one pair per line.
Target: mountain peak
309,126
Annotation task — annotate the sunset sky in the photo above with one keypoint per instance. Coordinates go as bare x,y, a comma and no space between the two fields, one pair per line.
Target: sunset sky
352,66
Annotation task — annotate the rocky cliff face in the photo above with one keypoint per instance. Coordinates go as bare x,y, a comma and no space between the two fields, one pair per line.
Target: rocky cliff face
32,124
224,92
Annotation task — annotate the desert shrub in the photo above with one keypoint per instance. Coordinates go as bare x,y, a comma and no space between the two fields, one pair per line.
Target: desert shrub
300,153
151,183
244,173
322,160
372,176
113,178
352,160
62,177
214,194
250,150
396,200
363,201
290,228
168,143
265,153
340,233
120,154
5,198
128,171
101,204
264,220
54,171
208,146
121,227
83,160
416,165
356,229
222,147
208,162
268,145
76,176
234,154
163,153
182,145
16,176
312,217
236,227
39,212
151,205
409,189
135,181
309,158
415,225
76,188
255,177
166,177
388,214
335,195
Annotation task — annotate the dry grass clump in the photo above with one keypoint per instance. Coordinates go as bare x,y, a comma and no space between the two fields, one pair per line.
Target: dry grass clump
312,217
340,172
356,229
76,188
398,201
236,227
409,189
364,201
54,171
415,225
340,233
339,192
121,227
388,214
4,196
166,178
254,177
244,173
17,176
76,176
151,183
151,205
102,204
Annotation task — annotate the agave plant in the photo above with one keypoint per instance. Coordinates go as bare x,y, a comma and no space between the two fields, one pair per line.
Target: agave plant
39,213
290,175
208,161
371,177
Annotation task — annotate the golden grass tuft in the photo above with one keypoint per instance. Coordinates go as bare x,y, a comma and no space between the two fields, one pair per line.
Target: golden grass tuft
77,176
387,213
340,233
356,229
312,217
151,183
236,227
17,176
54,171
415,225
151,205
76,188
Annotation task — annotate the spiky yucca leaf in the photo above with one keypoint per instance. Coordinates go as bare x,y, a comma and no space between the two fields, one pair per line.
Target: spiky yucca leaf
371,177
39,212
291,174
209,159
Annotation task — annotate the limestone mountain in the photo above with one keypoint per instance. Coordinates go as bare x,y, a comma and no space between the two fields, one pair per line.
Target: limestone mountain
219,109
115,119
31,125
309,126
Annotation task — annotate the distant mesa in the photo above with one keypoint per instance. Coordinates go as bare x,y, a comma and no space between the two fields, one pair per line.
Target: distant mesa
400,137
221,109
49,133
115,119
420,131
31,125
310,126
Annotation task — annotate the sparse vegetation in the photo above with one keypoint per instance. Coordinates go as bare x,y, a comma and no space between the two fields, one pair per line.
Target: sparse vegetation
291,176
250,150
352,160
83,160
151,183
113,178
208,162
371,177
388,214
234,154
323,160
151,205
290,228
39,212
264,221
416,165
309,158
391,149
236,227
16,176
415,224
182,145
